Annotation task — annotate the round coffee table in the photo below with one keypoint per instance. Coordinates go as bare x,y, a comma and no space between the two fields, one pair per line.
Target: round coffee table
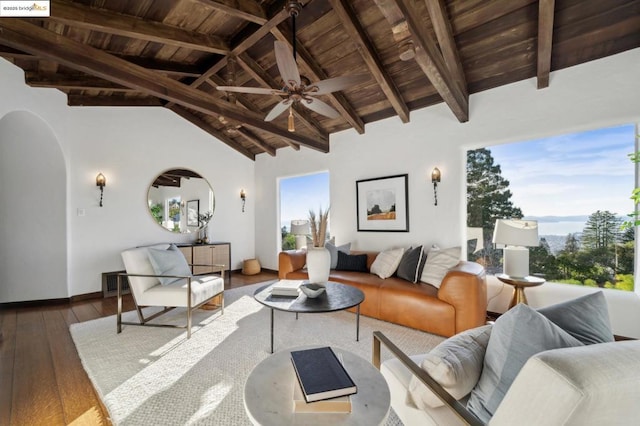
268,393
337,297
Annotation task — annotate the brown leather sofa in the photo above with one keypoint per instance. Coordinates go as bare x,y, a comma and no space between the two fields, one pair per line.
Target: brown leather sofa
459,304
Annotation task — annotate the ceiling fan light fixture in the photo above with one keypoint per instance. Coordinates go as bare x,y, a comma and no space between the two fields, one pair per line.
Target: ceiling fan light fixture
291,125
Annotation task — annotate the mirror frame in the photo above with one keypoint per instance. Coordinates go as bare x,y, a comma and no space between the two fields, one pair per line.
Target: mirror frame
177,178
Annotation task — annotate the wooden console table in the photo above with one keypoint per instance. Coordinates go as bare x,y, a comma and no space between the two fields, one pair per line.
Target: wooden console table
217,253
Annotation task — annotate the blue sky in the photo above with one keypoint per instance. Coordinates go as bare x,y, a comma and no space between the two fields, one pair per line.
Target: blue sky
573,174
300,193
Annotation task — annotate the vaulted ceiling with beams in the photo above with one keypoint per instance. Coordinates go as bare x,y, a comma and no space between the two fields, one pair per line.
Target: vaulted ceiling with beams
411,54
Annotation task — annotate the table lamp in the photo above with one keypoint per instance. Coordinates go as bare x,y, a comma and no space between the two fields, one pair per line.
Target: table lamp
516,235
300,228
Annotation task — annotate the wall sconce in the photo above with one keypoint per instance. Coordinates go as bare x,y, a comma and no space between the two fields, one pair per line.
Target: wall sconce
101,181
243,197
435,178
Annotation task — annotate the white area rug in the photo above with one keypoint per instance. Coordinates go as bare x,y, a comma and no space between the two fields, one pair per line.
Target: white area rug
155,376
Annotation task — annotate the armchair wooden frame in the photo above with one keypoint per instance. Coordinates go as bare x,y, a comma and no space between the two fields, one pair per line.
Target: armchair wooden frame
448,400
145,320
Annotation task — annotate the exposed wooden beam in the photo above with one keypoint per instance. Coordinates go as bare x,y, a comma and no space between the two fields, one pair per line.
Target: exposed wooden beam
254,139
352,26
72,82
545,41
444,34
8,52
432,63
243,45
249,10
31,38
80,16
112,101
338,100
218,134
258,74
164,67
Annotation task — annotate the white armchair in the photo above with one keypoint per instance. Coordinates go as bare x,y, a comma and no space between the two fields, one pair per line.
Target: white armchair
179,289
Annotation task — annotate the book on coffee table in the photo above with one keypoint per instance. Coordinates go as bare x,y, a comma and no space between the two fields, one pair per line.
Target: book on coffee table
286,288
321,375
341,404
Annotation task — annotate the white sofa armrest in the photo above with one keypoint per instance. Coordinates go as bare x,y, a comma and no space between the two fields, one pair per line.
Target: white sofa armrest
587,385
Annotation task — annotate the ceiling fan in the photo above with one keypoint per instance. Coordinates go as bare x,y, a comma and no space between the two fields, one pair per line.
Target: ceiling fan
298,89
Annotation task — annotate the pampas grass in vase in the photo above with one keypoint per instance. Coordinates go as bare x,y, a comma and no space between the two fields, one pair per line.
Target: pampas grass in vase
318,257
318,226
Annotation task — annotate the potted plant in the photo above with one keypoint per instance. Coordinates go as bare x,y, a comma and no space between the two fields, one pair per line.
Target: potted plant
203,220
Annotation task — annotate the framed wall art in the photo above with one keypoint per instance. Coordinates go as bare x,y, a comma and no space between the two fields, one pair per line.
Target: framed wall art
382,204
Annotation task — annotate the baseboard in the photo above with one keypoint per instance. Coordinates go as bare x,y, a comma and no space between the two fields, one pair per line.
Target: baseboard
87,296
36,303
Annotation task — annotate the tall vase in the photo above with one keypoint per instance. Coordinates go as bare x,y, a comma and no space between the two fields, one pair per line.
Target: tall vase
318,265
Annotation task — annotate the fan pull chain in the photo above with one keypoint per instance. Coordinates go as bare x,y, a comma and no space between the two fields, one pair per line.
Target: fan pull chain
291,125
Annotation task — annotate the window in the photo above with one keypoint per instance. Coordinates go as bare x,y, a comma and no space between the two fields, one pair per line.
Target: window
577,187
298,195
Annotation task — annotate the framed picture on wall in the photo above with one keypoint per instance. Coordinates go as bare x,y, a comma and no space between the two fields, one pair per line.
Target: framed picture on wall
193,211
382,204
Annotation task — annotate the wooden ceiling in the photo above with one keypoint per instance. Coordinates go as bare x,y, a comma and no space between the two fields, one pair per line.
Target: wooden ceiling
173,54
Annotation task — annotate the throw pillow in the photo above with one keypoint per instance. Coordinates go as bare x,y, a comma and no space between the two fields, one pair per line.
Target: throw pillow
516,336
455,364
168,262
585,318
412,264
439,261
352,262
387,262
333,252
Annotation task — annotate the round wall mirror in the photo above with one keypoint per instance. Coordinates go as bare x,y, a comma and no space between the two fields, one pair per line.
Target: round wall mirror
178,199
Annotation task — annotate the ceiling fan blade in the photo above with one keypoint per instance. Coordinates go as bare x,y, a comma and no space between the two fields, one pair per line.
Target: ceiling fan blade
286,64
278,109
320,107
254,90
338,83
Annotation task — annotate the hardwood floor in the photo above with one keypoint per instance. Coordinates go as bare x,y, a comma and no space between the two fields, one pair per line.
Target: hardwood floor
42,381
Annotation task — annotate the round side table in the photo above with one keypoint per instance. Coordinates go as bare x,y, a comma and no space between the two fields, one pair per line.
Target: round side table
519,284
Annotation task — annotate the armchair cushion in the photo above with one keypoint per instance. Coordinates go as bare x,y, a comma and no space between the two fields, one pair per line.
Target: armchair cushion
455,364
516,336
585,318
168,262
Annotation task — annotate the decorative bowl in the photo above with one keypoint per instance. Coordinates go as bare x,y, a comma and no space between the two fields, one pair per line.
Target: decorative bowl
312,290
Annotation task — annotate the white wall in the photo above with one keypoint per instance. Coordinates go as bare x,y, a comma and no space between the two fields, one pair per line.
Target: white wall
130,146
33,223
597,94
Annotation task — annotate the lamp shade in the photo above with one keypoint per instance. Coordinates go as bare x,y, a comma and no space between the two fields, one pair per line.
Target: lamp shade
516,232
300,227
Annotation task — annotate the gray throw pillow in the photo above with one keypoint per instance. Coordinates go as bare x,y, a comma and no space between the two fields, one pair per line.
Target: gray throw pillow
455,364
168,262
516,336
585,318
333,252
412,264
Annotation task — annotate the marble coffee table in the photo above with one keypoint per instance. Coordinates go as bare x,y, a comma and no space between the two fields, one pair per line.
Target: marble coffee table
268,393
